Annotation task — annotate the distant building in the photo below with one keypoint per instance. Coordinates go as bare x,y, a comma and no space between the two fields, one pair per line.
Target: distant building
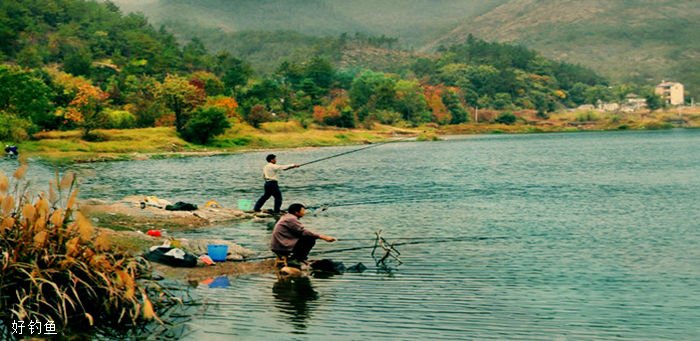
608,106
633,103
670,92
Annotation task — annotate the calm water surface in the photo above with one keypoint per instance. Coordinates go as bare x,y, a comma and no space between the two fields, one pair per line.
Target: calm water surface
590,236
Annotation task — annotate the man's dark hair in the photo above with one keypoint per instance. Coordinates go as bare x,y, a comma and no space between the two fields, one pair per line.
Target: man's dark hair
270,157
295,208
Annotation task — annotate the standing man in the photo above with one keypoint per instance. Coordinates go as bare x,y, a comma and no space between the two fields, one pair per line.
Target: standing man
289,238
272,188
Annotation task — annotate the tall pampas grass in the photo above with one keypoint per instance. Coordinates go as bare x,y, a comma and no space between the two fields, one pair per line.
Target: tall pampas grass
55,266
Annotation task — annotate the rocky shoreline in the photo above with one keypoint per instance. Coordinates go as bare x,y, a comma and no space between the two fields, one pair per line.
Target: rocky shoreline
128,222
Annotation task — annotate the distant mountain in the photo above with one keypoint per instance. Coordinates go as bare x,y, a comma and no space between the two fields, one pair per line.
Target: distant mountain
642,41
414,22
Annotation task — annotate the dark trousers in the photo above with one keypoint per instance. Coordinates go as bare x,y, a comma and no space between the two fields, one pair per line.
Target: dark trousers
301,249
272,189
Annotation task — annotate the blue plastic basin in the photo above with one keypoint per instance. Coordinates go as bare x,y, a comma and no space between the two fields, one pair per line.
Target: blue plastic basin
217,252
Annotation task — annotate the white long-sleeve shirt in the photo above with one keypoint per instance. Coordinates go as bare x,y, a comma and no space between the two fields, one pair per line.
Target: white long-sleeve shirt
271,170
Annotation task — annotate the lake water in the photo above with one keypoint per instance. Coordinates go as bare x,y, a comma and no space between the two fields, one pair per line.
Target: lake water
586,236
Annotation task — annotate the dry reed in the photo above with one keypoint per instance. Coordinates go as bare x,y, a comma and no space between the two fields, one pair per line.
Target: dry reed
55,266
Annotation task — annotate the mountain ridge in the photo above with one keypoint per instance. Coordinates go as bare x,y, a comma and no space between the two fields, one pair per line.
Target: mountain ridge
629,41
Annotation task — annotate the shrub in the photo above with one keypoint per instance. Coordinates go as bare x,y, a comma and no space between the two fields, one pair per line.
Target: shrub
587,116
657,125
57,267
428,136
386,117
229,104
120,119
204,124
13,128
542,115
257,115
292,126
506,117
346,119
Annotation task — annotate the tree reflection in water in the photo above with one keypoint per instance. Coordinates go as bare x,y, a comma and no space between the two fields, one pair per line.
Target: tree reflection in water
293,295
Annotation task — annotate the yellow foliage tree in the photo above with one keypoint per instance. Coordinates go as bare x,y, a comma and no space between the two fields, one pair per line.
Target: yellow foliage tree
229,105
85,110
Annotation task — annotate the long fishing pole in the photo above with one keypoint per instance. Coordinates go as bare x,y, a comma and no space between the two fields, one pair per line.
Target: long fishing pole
411,241
353,151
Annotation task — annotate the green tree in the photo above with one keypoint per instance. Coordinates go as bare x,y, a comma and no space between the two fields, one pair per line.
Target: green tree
27,96
195,56
346,119
321,72
236,72
598,93
654,101
141,94
212,85
78,63
506,117
268,92
424,67
411,102
543,103
454,105
502,101
577,94
290,73
483,102
13,128
178,95
372,91
309,87
206,122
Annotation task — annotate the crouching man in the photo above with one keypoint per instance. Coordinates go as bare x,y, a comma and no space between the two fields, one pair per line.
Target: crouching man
291,240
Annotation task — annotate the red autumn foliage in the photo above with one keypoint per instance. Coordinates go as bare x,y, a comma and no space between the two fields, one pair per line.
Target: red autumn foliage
433,96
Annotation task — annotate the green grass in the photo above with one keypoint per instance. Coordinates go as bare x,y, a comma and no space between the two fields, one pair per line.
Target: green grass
163,142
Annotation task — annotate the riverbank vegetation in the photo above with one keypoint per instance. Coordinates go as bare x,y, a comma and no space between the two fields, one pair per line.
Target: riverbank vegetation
76,65
164,142
58,269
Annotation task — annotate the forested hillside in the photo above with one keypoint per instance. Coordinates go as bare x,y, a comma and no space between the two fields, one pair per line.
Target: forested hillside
641,41
70,64
414,22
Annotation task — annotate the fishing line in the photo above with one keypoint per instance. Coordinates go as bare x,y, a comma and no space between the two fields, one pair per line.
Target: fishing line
390,200
414,242
353,151
410,241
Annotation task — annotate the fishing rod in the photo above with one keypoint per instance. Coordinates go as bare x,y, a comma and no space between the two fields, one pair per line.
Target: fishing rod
353,151
409,241
413,242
